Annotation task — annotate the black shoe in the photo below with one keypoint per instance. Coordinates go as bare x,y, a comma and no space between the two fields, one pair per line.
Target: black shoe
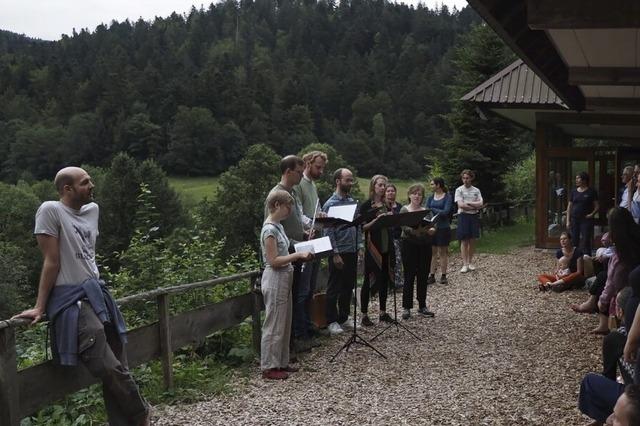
443,279
385,318
365,321
431,279
406,314
426,312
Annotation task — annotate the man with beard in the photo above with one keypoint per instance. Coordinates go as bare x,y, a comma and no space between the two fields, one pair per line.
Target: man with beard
84,318
343,263
307,193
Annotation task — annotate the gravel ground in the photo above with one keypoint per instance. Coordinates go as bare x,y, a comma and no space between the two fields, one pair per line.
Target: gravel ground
498,352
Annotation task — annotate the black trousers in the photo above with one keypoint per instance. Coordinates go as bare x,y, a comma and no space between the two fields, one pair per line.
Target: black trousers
416,261
612,349
339,287
582,234
381,278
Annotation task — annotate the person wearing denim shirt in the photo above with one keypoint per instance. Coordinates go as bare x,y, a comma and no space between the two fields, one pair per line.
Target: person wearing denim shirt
343,263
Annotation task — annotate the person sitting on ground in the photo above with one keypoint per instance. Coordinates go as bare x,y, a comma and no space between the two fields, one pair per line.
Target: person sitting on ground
625,234
562,269
276,284
597,282
609,402
613,343
575,279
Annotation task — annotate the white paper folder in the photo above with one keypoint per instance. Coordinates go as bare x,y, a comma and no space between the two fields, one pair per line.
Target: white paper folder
319,246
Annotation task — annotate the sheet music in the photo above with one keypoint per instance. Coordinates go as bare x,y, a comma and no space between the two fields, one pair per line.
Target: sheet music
319,245
344,212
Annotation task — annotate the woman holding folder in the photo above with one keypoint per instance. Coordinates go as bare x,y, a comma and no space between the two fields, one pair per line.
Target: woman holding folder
416,255
379,256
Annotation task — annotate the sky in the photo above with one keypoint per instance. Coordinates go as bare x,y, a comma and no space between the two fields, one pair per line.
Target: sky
49,19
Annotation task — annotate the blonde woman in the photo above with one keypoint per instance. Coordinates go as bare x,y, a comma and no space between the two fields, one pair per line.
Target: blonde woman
379,256
276,283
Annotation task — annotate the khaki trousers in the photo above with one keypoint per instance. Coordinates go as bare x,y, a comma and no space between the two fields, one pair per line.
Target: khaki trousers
276,331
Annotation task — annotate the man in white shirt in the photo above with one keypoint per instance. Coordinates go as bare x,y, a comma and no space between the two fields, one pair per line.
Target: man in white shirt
469,200
627,181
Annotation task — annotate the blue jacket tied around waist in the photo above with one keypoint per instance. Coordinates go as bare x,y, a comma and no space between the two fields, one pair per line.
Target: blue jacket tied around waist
63,311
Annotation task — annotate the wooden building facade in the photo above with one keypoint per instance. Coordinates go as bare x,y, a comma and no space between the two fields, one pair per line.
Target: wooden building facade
577,85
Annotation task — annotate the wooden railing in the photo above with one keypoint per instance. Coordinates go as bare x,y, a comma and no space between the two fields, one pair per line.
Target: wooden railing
24,392
494,215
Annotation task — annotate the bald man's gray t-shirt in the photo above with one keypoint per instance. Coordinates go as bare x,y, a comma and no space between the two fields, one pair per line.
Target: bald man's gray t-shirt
76,231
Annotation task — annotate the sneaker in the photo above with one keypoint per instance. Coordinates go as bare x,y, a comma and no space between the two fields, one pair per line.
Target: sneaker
431,279
348,324
472,267
406,314
443,279
334,328
426,312
366,321
385,318
464,269
275,374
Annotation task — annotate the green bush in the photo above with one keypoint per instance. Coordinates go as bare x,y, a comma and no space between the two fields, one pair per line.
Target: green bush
520,181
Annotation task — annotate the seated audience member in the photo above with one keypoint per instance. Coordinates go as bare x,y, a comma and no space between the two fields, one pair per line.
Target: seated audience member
598,396
575,279
626,412
625,235
613,343
596,283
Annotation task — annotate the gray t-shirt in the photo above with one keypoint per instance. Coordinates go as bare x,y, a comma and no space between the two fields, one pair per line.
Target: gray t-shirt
76,231
275,230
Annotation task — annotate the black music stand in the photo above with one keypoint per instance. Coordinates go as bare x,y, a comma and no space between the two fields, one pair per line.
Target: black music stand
413,219
355,338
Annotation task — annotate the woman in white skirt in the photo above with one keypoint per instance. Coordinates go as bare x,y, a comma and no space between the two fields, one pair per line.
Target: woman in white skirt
276,284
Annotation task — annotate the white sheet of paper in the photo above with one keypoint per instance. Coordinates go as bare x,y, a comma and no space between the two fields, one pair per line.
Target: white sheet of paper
346,212
318,245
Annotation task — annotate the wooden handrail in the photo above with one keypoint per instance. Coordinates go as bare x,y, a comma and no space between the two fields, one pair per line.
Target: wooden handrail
153,294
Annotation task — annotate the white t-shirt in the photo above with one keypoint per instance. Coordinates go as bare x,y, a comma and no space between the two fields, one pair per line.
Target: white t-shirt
624,201
76,231
467,195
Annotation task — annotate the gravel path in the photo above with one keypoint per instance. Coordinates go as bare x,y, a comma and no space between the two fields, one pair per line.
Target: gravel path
497,353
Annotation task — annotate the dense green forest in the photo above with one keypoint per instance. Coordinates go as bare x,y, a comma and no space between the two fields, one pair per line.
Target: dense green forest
193,92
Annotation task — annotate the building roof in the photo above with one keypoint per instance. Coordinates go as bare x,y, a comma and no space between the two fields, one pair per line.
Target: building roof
515,86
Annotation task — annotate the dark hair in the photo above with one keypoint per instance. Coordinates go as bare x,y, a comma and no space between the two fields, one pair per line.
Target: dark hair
469,172
623,298
633,395
567,234
625,234
438,181
290,162
584,176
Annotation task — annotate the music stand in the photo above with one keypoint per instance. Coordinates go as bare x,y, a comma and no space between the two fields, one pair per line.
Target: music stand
355,338
412,219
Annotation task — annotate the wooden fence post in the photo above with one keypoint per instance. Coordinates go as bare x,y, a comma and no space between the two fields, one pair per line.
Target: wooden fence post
256,326
9,397
166,352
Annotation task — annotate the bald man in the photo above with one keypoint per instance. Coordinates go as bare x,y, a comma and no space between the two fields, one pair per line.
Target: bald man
85,321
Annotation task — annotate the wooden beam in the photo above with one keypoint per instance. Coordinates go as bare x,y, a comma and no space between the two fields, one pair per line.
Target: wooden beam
9,391
613,104
604,76
164,330
582,14
588,118
508,18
